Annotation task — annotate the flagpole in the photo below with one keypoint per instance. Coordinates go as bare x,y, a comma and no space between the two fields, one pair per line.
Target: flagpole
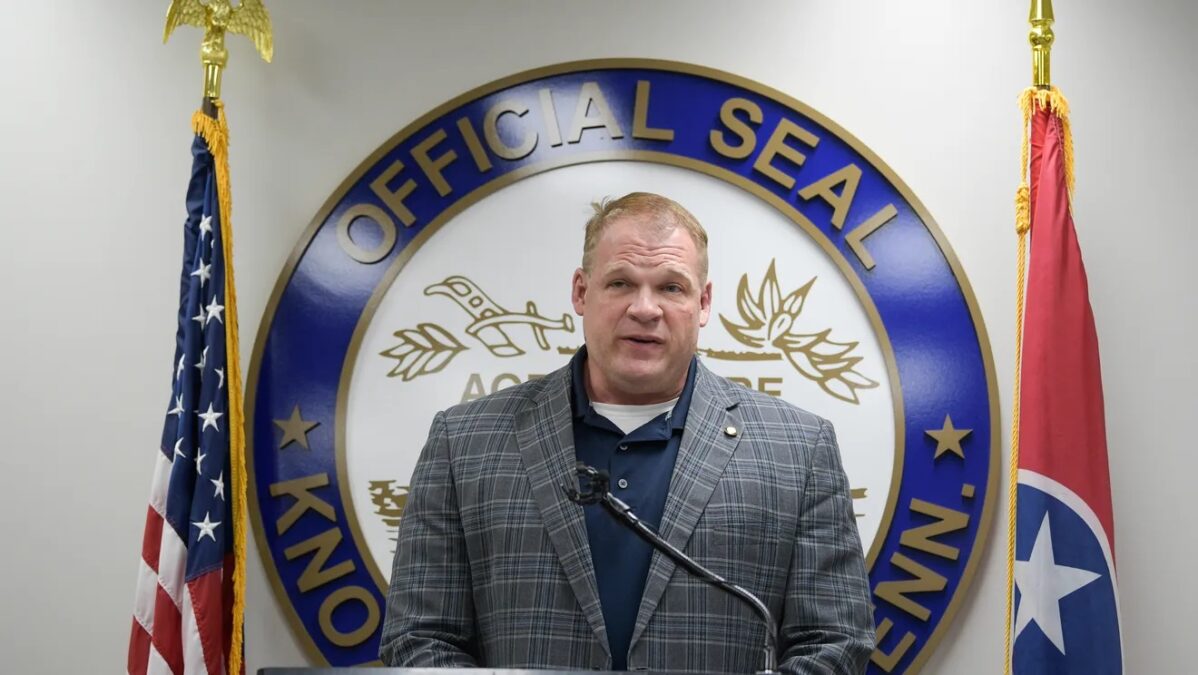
1041,37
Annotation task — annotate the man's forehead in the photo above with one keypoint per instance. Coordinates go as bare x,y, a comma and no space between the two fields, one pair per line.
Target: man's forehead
668,267
656,235
653,233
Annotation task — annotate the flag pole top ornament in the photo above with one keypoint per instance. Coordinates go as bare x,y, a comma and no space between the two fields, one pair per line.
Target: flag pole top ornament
248,18
1041,37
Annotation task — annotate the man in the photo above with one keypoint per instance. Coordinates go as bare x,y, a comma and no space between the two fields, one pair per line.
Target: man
496,567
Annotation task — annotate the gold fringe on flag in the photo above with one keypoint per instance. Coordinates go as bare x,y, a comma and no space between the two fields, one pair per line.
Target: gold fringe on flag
216,133
1032,99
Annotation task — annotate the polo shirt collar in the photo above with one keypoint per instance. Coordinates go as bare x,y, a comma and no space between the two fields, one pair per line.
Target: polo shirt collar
581,403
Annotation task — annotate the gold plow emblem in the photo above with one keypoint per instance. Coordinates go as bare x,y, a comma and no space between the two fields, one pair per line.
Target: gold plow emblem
428,348
490,318
769,323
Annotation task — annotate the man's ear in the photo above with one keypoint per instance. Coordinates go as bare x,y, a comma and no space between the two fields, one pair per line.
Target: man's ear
578,291
705,305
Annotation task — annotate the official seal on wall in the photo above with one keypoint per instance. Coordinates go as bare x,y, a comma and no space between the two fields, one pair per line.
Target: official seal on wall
439,272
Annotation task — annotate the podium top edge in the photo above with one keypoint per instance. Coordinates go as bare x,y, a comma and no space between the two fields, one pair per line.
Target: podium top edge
446,671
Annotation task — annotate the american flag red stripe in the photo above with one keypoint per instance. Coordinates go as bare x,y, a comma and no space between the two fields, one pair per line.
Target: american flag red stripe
207,605
166,636
151,539
139,649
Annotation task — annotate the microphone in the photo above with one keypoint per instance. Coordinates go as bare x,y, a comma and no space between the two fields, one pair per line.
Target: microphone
598,492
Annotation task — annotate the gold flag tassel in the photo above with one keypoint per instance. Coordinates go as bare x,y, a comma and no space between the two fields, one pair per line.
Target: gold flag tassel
216,133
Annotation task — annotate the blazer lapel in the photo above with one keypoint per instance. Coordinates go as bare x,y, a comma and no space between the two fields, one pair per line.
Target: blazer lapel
545,435
702,458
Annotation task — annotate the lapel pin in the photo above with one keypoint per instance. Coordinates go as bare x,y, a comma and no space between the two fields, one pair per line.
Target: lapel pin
730,431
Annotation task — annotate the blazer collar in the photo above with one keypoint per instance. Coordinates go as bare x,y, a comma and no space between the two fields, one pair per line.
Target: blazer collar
545,434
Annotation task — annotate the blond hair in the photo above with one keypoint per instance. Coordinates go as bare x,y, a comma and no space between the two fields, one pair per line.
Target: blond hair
665,214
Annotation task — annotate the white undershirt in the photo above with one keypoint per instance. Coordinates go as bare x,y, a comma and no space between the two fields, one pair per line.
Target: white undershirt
629,418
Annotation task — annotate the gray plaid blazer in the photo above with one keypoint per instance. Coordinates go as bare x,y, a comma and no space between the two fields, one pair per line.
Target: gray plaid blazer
493,566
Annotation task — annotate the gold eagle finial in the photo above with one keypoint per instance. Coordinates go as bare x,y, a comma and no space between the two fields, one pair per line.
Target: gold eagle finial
248,18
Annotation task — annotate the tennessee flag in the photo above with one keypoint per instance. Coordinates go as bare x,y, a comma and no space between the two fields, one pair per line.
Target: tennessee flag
1065,601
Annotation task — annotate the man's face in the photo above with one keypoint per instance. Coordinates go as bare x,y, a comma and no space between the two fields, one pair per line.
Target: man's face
642,305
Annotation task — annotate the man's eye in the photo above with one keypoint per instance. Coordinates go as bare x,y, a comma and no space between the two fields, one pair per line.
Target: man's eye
619,283
673,288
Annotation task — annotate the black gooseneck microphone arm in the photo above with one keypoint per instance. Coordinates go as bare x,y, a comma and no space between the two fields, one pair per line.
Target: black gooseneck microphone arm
599,492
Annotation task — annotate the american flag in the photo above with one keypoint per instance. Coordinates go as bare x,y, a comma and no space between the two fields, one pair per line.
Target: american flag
184,614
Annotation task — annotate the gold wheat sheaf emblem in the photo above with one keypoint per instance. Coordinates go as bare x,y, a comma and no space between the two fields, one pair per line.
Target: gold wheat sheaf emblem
770,323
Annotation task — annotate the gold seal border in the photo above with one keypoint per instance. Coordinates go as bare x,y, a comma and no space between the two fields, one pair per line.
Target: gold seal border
281,595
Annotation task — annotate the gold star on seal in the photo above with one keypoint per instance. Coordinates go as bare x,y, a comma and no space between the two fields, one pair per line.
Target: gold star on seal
948,439
295,429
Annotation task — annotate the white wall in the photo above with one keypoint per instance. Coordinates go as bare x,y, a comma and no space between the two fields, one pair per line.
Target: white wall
94,161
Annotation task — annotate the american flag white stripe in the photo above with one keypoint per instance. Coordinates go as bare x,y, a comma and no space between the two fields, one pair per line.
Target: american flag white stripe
142,653
193,649
160,483
157,665
143,603
172,565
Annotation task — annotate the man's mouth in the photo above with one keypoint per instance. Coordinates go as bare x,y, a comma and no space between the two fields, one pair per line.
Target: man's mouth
643,339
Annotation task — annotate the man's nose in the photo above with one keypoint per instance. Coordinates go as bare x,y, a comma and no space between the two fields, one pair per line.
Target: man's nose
645,305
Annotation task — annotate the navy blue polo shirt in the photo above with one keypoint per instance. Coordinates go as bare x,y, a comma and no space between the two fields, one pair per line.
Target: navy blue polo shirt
640,465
